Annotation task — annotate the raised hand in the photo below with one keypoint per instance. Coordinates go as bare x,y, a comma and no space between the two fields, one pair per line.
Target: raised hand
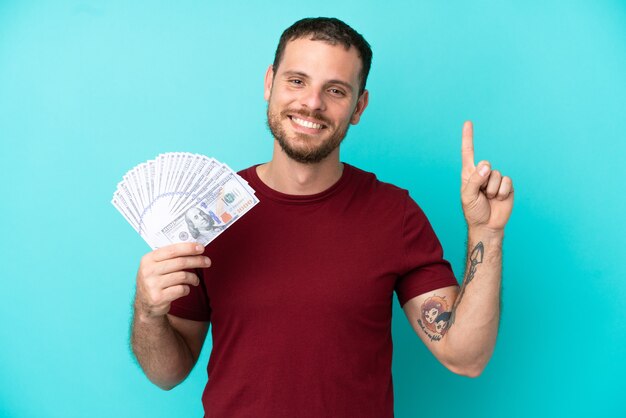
162,277
486,195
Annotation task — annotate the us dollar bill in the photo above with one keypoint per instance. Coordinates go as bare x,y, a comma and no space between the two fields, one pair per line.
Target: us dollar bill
182,197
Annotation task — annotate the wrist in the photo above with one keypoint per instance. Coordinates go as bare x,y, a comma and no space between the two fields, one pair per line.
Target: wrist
485,234
144,316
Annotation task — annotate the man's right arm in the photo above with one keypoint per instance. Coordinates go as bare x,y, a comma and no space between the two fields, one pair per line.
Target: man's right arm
167,347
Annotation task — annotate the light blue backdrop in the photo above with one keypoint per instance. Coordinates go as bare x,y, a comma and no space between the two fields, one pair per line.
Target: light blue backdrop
88,89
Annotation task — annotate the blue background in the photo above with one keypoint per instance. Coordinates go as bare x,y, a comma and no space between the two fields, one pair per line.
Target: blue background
89,89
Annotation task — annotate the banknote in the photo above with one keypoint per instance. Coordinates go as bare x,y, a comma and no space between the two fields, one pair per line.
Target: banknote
182,197
211,213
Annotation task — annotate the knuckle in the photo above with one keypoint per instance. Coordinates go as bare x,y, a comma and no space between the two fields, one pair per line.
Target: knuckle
142,274
174,277
186,248
153,297
184,290
148,270
190,262
151,286
193,279
180,263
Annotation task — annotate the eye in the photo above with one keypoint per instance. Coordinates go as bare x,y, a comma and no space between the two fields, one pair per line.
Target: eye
336,92
295,81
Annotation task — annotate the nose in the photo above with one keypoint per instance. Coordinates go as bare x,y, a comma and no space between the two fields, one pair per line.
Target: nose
312,99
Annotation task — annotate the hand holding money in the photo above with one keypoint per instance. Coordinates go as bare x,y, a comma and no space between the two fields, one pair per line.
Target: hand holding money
163,277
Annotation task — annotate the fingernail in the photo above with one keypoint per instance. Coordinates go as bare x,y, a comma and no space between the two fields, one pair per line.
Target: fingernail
207,261
199,248
483,170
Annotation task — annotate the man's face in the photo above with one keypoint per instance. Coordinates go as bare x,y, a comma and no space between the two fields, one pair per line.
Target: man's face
199,219
313,97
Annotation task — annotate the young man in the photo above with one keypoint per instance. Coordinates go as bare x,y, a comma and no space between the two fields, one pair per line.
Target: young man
299,291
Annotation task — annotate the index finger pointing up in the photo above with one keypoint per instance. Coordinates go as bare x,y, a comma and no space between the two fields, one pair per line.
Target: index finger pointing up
467,145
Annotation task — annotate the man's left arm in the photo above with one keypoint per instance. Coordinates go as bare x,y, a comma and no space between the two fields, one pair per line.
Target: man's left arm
460,326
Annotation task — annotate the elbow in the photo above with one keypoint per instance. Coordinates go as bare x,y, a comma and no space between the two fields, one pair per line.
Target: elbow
472,368
167,384
472,371
468,363
167,378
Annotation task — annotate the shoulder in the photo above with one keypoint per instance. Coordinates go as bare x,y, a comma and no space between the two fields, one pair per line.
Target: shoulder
369,182
385,196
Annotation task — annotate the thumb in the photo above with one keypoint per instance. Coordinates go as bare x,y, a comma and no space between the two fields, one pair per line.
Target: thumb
476,180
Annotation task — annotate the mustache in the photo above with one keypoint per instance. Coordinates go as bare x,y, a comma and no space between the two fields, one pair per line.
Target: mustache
307,114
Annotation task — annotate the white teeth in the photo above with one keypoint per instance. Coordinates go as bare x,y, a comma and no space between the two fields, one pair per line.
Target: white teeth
306,124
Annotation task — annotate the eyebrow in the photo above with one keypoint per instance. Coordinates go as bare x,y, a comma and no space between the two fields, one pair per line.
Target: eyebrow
304,75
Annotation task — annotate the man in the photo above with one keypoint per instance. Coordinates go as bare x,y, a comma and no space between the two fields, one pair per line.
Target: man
299,291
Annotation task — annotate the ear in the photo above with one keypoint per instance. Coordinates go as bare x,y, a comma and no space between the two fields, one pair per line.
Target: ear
269,79
361,104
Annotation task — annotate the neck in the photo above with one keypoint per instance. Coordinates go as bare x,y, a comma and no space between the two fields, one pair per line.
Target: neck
291,177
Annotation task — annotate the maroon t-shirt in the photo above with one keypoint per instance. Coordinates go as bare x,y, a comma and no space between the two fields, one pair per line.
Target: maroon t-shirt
299,296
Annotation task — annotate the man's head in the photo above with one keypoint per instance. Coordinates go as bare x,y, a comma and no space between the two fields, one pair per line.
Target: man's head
198,221
332,31
314,89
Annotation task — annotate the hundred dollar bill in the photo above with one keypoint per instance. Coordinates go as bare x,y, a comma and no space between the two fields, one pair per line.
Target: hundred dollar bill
180,197
212,213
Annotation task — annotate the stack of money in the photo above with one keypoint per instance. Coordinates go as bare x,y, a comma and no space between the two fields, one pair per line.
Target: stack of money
181,197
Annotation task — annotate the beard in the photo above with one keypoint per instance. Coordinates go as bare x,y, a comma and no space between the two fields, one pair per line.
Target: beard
307,153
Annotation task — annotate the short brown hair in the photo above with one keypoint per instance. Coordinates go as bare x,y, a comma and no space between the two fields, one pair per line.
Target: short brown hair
332,31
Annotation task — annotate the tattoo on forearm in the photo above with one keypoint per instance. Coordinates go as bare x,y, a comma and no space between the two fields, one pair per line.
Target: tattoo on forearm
435,317
475,259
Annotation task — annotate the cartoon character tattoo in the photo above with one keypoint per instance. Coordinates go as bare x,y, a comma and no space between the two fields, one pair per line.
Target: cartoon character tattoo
435,317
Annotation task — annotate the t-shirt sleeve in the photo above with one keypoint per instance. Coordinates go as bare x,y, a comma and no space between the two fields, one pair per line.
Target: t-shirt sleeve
195,305
424,269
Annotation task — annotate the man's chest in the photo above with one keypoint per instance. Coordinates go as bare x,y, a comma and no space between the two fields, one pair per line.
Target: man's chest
305,263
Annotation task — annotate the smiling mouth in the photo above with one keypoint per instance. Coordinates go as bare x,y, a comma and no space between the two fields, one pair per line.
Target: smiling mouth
306,123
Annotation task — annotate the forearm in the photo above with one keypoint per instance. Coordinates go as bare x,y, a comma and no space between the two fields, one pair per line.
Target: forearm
475,316
162,353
